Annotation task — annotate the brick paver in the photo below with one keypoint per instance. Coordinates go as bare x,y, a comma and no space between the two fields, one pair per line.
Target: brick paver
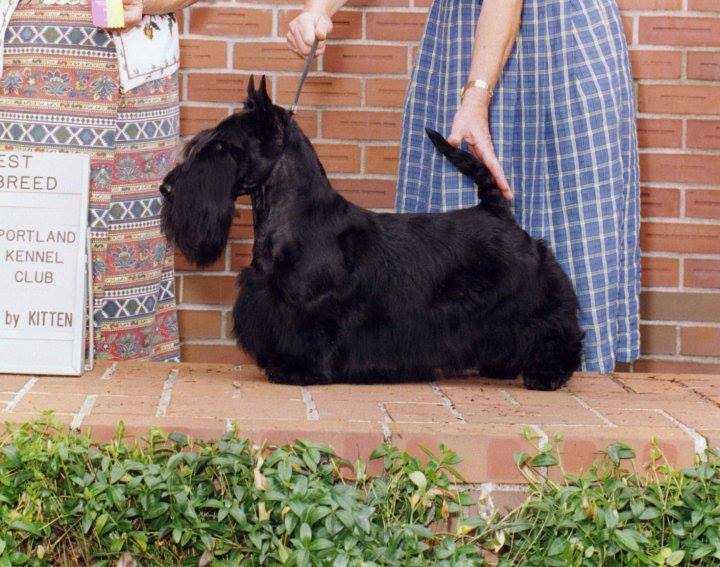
481,419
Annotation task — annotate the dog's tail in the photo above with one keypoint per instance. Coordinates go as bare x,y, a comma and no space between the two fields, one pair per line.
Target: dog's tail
488,191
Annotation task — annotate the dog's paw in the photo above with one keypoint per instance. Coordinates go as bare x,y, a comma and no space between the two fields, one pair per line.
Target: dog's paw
544,381
292,379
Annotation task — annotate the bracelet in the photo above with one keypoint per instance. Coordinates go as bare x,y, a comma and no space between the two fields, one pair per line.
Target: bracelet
476,84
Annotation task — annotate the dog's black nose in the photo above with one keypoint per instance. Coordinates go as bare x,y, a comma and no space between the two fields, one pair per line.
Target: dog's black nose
166,190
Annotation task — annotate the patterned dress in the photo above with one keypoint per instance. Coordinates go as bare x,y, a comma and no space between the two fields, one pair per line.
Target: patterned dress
60,92
563,124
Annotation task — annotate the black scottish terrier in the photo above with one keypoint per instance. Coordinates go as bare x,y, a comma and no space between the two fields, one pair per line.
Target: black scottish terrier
336,293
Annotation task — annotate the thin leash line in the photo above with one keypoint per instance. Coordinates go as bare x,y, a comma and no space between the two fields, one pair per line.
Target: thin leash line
303,76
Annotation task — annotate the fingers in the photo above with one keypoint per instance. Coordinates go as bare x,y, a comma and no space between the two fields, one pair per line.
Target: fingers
300,45
485,153
456,137
290,38
323,27
305,29
307,32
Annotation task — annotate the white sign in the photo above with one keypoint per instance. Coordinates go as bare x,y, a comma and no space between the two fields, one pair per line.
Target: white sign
43,258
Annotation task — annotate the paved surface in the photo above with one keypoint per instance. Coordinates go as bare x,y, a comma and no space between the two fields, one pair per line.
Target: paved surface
483,420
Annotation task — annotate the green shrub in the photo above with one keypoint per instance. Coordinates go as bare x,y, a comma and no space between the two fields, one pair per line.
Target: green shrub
170,501
613,516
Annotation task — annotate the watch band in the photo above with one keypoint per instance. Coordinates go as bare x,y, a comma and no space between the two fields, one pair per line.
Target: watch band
476,84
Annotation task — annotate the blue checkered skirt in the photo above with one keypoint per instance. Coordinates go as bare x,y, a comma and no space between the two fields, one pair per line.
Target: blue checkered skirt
563,124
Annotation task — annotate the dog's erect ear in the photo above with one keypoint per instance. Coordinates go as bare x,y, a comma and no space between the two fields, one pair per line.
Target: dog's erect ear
251,88
262,98
258,98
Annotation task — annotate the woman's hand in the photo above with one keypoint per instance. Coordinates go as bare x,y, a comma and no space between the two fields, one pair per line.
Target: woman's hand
472,125
305,28
133,12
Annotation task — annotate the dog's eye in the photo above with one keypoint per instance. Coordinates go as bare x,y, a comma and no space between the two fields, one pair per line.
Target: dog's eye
219,147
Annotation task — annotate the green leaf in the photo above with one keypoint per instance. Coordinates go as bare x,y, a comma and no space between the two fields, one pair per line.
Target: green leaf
544,459
675,558
305,533
612,518
619,451
628,538
521,459
116,473
557,546
179,438
320,544
650,513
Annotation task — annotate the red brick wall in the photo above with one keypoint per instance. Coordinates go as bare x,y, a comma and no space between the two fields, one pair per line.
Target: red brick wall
352,111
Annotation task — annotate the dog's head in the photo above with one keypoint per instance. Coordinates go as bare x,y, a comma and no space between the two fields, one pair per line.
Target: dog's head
217,166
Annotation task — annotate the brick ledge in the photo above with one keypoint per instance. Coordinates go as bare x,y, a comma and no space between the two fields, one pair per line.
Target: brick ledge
481,419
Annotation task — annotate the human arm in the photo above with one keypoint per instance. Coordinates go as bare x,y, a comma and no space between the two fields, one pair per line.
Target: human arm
495,34
314,22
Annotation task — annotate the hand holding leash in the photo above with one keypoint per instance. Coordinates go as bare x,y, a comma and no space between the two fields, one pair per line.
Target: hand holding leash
309,27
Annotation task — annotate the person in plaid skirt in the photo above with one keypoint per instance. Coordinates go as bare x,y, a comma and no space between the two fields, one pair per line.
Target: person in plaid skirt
541,91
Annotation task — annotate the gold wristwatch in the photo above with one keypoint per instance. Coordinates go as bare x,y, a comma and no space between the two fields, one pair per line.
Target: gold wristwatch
476,84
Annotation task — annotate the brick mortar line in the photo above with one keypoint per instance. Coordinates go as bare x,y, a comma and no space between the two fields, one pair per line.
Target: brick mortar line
683,358
20,394
700,395
699,442
680,82
224,307
447,402
83,412
683,324
686,185
681,262
684,152
509,398
273,75
166,396
667,289
693,221
626,388
659,48
266,6
109,371
385,423
595,412
310,407
210,342
666,13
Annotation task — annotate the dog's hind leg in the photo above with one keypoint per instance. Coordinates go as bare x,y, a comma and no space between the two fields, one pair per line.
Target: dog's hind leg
553,361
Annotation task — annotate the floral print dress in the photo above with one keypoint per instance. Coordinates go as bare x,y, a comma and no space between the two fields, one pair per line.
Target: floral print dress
60,92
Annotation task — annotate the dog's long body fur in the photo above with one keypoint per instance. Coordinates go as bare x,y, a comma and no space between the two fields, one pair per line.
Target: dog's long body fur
338,293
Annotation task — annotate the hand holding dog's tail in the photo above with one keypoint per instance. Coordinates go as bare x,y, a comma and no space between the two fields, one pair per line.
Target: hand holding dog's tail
489,193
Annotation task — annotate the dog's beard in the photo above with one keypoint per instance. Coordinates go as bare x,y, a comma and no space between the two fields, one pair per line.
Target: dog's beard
198,216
